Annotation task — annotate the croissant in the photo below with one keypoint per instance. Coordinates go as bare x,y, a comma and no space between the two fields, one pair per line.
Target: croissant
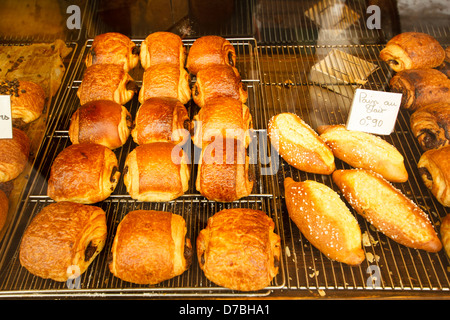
162,48
14,155
445,233
421,87
4,207
430,124
412,50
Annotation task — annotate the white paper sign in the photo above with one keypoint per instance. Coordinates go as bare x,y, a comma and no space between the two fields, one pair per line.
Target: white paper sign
5,117
374,111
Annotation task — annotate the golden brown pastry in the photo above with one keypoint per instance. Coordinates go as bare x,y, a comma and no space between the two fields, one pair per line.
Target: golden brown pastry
84,173
412,50
434,168
299,145
387,209
223,171
445,66
239,250
430,124
324,219
161,119
4,207
165,81
420,87
157,171
113,48
150,247
445,233
62,240
106,82
27,100
222,118
161,48
218,81
14,155
364,150
210,50
103,122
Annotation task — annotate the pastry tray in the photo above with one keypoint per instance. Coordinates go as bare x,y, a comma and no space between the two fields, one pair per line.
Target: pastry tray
277,81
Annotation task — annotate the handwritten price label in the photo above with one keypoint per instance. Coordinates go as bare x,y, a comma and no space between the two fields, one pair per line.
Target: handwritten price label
5,117
374,111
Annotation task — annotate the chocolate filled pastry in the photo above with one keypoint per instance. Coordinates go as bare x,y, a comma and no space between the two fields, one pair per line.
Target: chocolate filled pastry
150,247
420,87
210,50
62,240
103,122
445,233
324,219
113,48
365,150
434,168
106,82
222,118
412,50
445,66
27,100
14,154
157,171
161,48
430,125
218,81
223,171
4,207
165,81
299,145
239,250
84,173
161,119
387,209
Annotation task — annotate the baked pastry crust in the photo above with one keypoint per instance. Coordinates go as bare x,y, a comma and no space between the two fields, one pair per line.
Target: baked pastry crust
165,81
162,47
4,208
103,122
62,240
299,145
29,103
239,250
366,151
324,219
412,50
445,233
150,247
161,119
420,87
106,82
222,118
430,125
210,50
113,48
157,171
14,155
223,171
218,81
434,168
83,173
387,209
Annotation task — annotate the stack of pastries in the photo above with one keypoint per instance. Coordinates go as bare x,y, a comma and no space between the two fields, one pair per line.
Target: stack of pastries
221,128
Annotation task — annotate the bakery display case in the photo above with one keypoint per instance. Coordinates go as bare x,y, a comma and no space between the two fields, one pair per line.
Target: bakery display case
305,58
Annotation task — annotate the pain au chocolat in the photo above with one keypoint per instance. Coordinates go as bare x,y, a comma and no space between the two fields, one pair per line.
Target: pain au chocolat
27,103
150,247
62,240
238,249
14,154
113,48
103,122
4,208
162,47
84,173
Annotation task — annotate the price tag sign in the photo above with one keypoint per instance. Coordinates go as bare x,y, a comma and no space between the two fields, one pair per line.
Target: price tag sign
374,111
5,117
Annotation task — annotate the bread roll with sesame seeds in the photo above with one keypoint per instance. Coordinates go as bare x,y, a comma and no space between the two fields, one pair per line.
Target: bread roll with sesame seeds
364,150
387,209
324,220
299,145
